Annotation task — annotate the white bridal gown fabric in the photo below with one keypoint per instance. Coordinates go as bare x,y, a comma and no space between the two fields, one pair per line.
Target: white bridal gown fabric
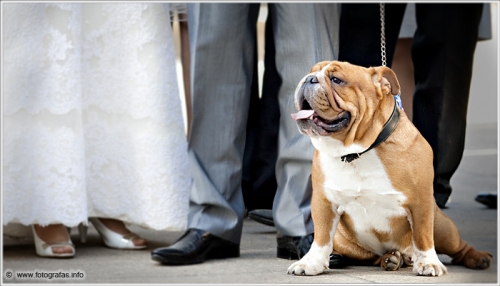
92,117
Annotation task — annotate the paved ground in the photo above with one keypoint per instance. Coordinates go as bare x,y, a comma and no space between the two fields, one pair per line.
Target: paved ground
258,264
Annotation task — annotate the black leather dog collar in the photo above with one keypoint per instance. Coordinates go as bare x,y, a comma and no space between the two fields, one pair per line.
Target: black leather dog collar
387,130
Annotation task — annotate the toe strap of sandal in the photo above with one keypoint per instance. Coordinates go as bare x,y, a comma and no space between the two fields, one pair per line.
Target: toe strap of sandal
48,248
129,236
58,244
127,239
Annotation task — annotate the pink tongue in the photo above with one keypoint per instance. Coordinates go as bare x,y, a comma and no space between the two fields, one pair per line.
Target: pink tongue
303,114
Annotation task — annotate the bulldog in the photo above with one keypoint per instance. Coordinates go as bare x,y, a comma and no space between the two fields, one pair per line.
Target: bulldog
372,177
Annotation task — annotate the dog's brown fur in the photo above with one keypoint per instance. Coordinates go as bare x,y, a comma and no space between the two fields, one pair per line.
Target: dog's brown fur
407,159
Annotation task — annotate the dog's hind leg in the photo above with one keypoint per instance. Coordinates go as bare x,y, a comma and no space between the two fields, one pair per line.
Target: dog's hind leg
344,243
447,241
392,260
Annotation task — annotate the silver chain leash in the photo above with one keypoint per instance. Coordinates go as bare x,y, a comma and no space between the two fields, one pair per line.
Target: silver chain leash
382,48
382,33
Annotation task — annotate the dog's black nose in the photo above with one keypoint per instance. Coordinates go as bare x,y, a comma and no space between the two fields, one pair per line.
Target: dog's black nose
312,79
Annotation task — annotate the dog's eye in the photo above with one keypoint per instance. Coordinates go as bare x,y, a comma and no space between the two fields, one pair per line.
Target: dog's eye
336,80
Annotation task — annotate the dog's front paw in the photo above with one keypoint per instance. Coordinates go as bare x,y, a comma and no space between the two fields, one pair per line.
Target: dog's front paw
429,267
307,266
392,260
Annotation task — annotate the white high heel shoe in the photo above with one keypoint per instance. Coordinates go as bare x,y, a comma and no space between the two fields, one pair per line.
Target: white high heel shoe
45,250
113,239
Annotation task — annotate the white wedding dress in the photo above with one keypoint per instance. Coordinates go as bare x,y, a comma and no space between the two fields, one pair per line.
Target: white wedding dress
92,117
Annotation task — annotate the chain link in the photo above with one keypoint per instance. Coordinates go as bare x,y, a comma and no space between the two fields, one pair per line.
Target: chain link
382,34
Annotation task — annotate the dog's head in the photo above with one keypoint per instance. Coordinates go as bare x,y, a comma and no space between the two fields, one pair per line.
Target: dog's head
344,101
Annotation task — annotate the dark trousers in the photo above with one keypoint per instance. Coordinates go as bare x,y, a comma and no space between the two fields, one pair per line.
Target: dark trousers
261,146
442,51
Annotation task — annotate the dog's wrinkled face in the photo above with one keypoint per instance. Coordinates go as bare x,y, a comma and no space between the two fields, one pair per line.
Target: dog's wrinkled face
336,97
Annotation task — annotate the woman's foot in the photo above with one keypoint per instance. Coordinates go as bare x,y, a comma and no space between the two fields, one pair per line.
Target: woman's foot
53,241
109,228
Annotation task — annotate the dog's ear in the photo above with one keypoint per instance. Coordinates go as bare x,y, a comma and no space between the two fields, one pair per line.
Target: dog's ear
386,79
319,66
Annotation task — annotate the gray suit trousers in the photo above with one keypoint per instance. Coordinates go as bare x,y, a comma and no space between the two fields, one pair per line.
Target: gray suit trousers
223,41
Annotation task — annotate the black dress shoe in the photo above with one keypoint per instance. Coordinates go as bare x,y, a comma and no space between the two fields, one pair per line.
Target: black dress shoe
293,247
195,246
336,261
297,246
262,216
489,200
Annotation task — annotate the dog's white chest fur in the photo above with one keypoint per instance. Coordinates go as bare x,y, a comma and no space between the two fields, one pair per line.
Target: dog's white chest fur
361,189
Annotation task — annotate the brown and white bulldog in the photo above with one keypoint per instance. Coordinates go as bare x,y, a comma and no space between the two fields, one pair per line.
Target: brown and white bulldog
372,177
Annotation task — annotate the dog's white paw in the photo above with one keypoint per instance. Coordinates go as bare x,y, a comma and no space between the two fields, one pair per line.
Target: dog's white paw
428,264
307,266
430,269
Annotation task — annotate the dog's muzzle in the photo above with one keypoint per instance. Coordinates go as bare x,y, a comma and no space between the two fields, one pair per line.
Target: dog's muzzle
308,117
